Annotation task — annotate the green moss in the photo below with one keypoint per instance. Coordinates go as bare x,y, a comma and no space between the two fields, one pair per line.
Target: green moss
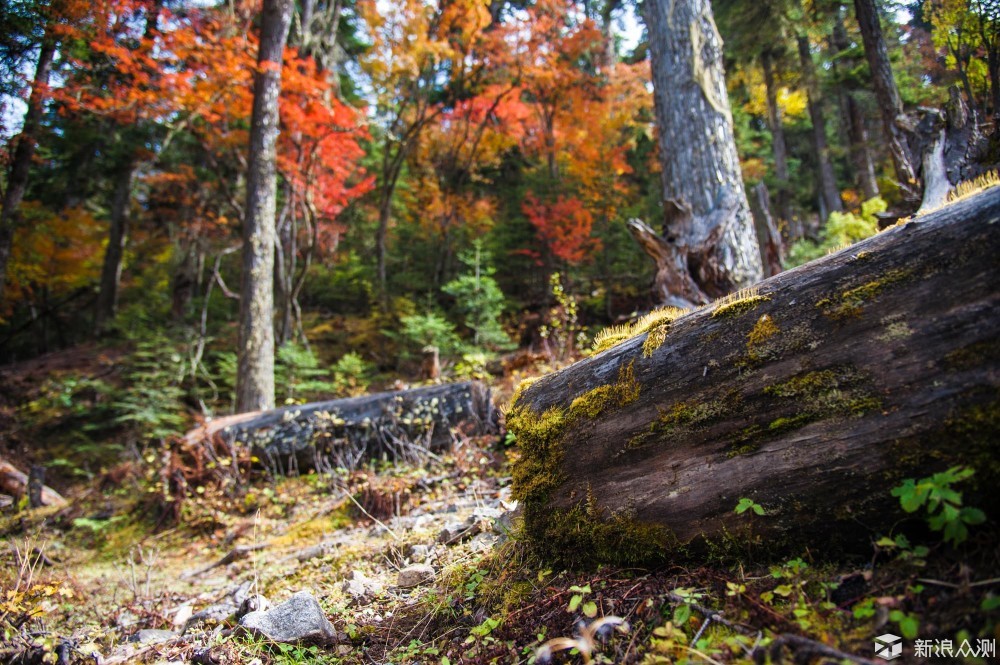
537,471
823,394
763,330
790,423
850,303
975,430
617,334
744,449
738,306
582,537
521,387
974,355
602,399
654,339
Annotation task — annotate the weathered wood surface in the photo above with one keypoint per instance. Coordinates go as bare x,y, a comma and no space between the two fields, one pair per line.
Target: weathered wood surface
404,424
14,482
814,398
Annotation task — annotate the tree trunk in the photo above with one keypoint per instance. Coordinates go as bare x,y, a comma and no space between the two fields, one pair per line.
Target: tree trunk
343,432
772,251
17,483
114,253
861,154
813,397
993,67
778,145
701,172
854,118
20,165
826,179
255,377
894,121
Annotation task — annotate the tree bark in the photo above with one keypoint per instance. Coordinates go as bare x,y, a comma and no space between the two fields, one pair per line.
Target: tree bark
772,251
826,179
701,172
20,165
16,483
854,118
114,253
775,121
255,377
343,432
813,398
894,121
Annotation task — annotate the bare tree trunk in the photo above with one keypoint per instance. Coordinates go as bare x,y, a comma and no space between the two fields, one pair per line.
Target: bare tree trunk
826,179
813,398
778,145
854,119
20,166
114,253
707,221
255,376
772,250
894,121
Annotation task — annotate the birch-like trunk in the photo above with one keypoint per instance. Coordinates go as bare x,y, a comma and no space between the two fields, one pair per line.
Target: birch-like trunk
255,377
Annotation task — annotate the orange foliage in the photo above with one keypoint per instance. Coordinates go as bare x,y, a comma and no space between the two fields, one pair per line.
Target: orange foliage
565,227
52,253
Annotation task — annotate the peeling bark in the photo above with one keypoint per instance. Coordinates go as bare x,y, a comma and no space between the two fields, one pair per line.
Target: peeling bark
707,221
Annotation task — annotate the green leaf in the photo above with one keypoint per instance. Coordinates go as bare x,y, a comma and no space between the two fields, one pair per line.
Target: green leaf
682,613
973,516
783,590
574,602
590,609
990,603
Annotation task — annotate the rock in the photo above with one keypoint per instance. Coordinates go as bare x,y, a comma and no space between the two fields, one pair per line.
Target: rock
414,575
454,532
254,603
360,586
483,542
152,636
420,553
213,614
311,552
298,619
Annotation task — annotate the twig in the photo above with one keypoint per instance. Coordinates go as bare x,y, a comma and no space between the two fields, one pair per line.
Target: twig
370,516
803,646
952,585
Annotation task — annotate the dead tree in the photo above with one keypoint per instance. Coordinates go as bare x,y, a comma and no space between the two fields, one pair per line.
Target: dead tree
812,396
406,425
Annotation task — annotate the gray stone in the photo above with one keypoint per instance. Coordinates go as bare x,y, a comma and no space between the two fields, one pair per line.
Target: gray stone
414,575
213,614
361,587
420,553
298,619
152,636
455,532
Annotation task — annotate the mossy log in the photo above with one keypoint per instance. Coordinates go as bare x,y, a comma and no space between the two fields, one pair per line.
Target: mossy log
812,395
405,425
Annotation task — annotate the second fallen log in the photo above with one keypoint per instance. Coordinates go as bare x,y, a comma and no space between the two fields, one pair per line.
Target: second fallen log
406,424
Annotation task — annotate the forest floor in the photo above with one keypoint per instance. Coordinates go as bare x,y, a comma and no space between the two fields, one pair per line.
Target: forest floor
424,565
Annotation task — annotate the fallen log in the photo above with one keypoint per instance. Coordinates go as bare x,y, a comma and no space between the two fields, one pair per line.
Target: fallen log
404,425
812,395
15,482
